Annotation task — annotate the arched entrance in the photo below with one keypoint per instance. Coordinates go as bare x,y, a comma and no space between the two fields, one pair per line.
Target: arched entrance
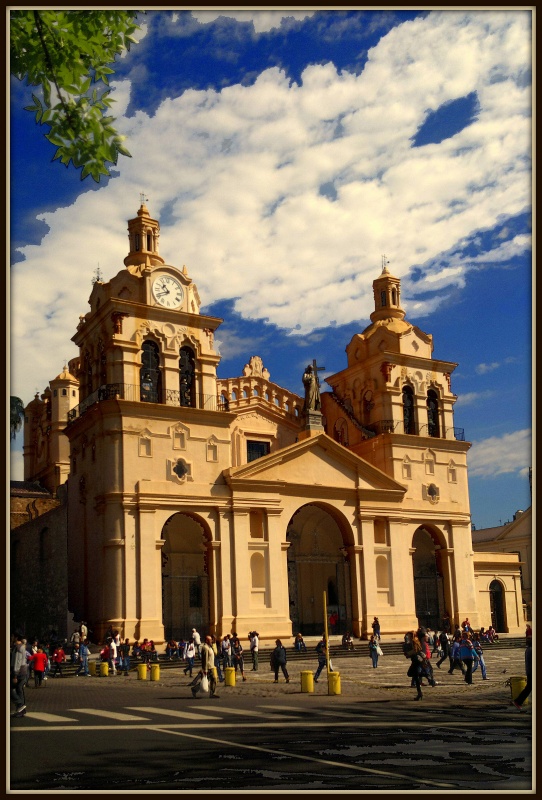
496,602
185,578
318,562
428,579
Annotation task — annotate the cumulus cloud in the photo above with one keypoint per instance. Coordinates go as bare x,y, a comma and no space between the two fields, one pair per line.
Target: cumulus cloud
483,369
501,455
282,197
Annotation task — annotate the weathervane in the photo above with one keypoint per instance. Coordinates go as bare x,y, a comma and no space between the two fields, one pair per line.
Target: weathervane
142,198
385,263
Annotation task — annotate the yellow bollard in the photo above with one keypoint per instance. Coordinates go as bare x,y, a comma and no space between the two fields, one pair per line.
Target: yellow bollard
307,681
142,672
334,683
230,676
517,685
155,672
92,668
104,669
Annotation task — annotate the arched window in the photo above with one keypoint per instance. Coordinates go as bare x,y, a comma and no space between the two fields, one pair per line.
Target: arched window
340,431
408,410
149,242
433,428
187,377
137,242
394,297
383,302
150,377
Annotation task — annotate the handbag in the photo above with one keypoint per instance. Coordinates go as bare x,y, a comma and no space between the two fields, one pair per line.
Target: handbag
379,650
205,684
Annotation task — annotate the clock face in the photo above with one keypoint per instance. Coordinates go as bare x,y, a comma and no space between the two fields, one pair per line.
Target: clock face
167,291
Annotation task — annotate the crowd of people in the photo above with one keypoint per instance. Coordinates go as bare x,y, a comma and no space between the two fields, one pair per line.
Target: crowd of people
463,649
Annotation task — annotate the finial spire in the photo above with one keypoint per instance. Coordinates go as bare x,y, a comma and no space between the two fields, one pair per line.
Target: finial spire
385,263
142,198
97,275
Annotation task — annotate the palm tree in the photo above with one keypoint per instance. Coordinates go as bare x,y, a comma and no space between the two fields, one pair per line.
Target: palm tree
16,415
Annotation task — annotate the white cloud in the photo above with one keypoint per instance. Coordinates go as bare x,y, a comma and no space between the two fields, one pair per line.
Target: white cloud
240,172
501,455
483,369
263,20
472,398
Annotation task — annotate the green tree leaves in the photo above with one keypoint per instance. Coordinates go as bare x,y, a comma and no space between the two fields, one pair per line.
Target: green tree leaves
67,54
16,415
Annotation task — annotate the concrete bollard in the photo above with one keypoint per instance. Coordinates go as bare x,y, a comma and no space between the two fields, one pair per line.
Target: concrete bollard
155,672
307,681
334,683
142,672
229,673
104,669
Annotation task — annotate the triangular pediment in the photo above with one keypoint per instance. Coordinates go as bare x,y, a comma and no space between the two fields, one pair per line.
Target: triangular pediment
316,461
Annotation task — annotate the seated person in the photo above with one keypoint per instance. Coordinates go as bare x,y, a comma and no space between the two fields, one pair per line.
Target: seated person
299,643
347,641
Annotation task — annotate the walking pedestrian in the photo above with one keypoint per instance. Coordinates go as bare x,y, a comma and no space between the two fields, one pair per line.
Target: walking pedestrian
84,653
278,661
444,647
216,654
321,651
466,650
416,655
375,624
479,655
455,658
226,651
207,663
39,662
373,650
196,638
18,671
113,648
526,691
238,660
124,654
189,656
59,658
254,647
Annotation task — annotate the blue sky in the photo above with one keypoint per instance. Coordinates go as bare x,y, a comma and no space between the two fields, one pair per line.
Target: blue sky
284,153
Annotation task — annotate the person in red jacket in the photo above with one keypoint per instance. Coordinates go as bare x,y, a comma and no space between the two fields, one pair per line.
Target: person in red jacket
59,657
39,661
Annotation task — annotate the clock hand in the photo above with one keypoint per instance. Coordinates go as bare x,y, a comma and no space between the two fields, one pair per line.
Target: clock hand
160,294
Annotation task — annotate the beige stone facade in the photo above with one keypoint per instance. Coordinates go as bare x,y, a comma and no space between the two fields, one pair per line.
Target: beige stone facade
225,504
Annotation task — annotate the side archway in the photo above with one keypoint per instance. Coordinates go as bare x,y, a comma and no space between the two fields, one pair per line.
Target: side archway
497,606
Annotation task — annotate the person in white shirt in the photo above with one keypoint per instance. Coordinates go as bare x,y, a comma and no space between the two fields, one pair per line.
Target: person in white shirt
196,638
254,638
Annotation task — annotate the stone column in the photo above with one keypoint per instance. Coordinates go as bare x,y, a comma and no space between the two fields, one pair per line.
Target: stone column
241,559
150,578
402,574
225,575
215,585
366,582
357,588
463,573
113,575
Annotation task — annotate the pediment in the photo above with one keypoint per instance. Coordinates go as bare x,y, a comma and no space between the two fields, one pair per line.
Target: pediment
316,461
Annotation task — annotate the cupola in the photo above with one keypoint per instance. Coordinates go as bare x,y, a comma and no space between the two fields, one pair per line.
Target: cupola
387,296
143,235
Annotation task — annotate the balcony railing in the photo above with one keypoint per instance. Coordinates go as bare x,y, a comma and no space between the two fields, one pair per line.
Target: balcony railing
141,394
392,426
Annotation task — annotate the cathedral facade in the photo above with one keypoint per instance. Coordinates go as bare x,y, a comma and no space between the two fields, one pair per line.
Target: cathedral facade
234,504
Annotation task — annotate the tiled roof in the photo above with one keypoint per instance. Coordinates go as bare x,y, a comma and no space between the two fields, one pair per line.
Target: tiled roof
27,489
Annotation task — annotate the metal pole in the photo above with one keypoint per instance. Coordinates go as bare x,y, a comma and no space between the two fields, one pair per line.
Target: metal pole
327,638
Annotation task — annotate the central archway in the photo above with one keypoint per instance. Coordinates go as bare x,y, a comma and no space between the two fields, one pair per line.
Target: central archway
185,576
318,562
